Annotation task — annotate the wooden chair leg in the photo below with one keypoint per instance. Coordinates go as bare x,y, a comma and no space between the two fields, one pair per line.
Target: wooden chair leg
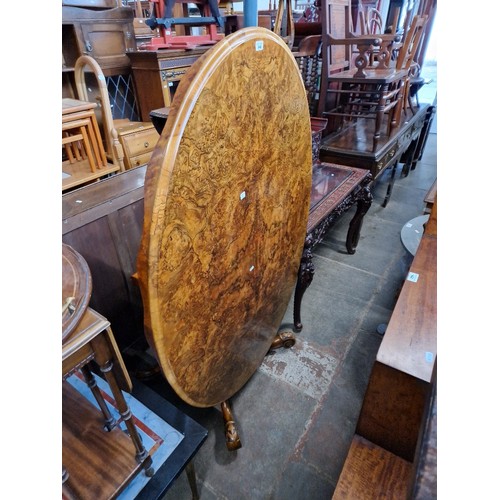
100,145
69,153
95,148
88,149
71,144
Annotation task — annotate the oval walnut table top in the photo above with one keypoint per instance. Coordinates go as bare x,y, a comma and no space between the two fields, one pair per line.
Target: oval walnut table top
226,203
76,289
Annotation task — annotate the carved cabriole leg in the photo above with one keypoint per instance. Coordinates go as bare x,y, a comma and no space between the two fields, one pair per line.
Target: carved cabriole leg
364,200
109,420
232,439
104,359
304,279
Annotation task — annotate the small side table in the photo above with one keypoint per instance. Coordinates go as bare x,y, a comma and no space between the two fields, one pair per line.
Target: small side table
96,463
412,232
335,189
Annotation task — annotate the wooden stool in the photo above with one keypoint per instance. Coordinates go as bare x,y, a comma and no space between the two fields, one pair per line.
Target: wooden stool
71,145
122,456
81,126
75,110
115,456
93,133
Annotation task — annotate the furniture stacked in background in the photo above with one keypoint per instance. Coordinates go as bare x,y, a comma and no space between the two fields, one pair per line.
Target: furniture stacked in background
375,84
308,57
393,452
143,10
101,65
96,39
136,139
156,75
391,134
104,32
406,145
84,158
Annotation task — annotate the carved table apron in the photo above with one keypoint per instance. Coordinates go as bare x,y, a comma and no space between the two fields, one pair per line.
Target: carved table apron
335,189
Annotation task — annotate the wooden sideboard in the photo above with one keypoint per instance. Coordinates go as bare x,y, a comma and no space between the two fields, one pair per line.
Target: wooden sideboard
156,74
353,146
394,448
103,222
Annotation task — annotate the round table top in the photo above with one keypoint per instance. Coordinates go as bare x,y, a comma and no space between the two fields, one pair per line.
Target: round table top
412,232
76,289
226,204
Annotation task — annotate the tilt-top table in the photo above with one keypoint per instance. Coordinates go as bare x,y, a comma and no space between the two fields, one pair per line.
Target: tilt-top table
226,201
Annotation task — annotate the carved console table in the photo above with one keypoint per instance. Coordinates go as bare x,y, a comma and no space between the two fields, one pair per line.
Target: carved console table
353,146
335,189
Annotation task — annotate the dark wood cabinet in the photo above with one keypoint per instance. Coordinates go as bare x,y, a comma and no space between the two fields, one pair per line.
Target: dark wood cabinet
156,74
106,35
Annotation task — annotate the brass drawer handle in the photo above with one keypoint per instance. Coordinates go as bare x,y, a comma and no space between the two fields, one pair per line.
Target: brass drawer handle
146,144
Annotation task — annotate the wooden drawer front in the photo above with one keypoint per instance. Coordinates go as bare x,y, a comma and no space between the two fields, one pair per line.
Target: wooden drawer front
139,160
384,161
140,142
108,43
179,62
173,75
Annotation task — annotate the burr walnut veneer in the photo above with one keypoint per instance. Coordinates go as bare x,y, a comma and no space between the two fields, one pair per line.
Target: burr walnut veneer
226,202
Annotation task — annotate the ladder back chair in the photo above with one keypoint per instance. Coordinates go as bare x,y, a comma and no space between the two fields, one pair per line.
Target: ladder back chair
308,57
377,92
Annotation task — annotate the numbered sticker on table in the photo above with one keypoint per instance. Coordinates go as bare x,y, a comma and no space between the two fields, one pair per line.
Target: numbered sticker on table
259,45
412,277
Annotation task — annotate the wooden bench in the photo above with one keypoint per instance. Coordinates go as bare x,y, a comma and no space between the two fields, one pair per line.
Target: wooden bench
393,426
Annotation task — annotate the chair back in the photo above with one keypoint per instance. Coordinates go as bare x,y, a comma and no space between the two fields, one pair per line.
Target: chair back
411,42
370,23
308,57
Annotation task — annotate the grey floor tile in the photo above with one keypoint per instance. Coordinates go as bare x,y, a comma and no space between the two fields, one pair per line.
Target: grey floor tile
300,481
270,417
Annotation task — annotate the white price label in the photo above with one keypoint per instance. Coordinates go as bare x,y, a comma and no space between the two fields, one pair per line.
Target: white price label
412,277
